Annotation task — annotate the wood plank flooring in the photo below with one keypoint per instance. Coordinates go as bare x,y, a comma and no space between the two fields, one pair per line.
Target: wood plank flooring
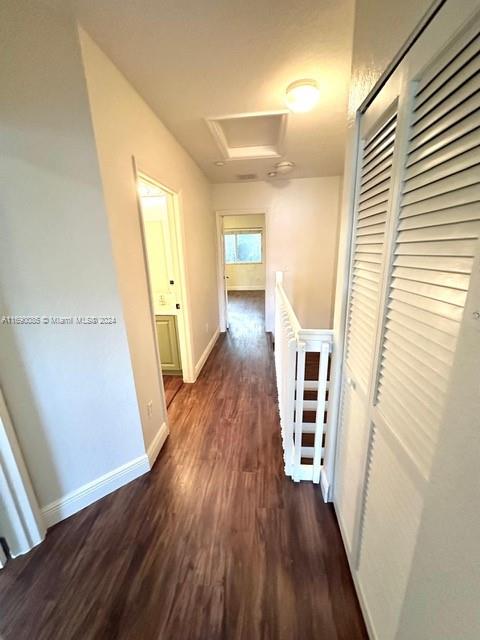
172,385
214,544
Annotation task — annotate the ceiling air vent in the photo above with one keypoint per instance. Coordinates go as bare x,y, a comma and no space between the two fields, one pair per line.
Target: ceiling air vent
247,176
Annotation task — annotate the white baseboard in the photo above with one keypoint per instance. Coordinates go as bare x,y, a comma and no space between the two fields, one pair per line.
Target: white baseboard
247,287
367,616
206,353
157,444
93,491
325,486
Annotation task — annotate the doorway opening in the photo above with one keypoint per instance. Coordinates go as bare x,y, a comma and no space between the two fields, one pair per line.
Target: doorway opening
243,270
163,250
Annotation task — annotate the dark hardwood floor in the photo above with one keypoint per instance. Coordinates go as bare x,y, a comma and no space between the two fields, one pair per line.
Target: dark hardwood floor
214,543
172,385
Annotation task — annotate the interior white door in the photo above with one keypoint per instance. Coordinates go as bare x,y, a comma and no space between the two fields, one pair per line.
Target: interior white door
158,239
378,133
225,279
434,239
403,324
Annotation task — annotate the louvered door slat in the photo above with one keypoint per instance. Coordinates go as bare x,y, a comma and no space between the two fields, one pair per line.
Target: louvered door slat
374,174
460,85
441,150
379,134
436,238
440,278
409,305
402,360
457,231
445,201
374,190
371,216
410,323
375,180
440,78
420,381
374,200
367,275
448,183
375,219
371,229
427,303
373,210
448,248
418,352
454,264
455,121
457,90
463,213
367,266
405,332
445,294
418,177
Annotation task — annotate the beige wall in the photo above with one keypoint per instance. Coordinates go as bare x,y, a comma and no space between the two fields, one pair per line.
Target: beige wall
301,239
124,127
69,388
381,28
246,276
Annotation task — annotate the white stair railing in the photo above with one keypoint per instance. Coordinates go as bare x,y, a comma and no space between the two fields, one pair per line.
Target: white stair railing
303,419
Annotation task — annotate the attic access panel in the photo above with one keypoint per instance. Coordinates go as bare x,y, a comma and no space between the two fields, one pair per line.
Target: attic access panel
249,136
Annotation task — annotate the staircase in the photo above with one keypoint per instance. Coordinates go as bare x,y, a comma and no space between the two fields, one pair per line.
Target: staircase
302,365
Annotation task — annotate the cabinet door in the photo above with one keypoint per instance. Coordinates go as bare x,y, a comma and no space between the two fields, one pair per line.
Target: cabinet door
168,343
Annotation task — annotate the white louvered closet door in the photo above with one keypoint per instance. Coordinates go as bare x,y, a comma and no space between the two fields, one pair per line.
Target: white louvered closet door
369,244
378,135
431,242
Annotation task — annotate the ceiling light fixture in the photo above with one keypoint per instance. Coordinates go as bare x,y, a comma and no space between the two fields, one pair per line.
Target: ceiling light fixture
285,166
302,95
271,174
219,163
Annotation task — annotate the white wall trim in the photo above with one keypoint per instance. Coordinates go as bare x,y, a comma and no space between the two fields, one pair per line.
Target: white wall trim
157,444
325,486
92,491
247,287
3,558
367,616
203,358
23,523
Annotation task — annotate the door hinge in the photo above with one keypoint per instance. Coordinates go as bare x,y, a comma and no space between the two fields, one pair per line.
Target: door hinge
172,282
177,306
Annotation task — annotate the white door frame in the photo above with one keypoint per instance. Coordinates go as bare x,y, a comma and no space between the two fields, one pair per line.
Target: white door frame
221,283
176,238
21,519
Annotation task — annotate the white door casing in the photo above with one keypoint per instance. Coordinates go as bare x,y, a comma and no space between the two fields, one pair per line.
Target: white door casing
20,519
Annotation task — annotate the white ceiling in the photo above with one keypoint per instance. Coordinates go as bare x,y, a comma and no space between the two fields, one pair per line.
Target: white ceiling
195,59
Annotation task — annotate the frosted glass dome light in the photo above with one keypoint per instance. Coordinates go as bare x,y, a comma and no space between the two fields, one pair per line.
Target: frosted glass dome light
302,95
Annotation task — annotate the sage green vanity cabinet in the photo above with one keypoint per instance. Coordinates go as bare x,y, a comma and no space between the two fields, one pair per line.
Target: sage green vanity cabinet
167,336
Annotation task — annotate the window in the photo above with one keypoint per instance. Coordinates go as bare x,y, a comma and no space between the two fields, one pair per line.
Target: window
243,247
